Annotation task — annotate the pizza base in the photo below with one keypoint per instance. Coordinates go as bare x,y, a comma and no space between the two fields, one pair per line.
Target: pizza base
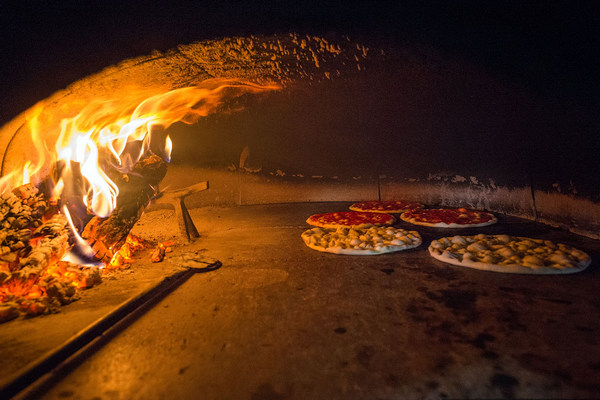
555,258
361,241
414,221
315,220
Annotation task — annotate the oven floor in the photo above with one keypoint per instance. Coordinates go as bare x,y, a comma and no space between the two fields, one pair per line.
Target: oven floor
281,321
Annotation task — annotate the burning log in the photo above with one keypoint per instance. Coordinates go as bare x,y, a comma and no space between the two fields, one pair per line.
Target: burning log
107,235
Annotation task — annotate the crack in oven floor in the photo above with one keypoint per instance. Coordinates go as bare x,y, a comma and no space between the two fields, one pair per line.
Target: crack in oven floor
279,320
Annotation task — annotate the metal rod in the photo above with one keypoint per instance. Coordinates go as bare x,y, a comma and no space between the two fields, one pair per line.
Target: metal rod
190,229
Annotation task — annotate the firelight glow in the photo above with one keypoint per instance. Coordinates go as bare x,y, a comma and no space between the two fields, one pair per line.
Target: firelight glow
79,152
108,136
117,133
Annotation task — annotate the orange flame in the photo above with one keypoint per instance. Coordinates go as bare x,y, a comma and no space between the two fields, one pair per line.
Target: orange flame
125,254
113,134
168,148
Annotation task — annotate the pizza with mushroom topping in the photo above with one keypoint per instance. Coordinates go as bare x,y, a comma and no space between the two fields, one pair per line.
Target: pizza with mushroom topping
386,206
350,219
449,218
361,241
511,254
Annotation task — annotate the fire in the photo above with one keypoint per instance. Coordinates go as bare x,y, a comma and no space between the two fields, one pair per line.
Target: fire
168,148
55,285
114,134
78,157
108,136
19,287
124,255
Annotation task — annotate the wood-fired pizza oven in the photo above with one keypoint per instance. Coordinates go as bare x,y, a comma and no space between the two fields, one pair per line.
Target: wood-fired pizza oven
309,123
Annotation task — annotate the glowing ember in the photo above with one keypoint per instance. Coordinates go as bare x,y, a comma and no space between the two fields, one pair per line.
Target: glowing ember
159,252
124,256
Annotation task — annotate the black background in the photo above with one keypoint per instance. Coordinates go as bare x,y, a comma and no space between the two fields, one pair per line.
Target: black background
550,47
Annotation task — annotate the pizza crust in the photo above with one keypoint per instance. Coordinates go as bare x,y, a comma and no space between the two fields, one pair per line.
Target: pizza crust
361,241
503,253
415,221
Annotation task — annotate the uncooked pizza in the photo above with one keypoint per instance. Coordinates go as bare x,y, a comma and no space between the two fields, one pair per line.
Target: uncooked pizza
449,218
361,241
350,219
386,206
504,253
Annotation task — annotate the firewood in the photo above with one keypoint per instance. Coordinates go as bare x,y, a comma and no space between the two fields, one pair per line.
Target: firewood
107,235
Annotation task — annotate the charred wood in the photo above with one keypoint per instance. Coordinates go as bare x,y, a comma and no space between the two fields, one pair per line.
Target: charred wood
107,235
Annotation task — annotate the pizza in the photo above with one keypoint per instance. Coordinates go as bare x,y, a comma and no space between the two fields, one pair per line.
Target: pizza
449,217
350,219
361,241
386,206
511,254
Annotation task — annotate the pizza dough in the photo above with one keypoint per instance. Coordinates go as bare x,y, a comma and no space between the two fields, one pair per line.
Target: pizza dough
449,218
504,253
350,219
361,241
386,206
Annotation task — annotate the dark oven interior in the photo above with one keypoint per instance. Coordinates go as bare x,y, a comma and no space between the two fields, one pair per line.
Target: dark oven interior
299,110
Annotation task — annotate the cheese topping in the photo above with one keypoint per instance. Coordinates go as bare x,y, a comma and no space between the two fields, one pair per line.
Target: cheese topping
509,254
370,240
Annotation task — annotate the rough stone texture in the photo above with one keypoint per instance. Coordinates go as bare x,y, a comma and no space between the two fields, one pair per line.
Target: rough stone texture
281,321
279,59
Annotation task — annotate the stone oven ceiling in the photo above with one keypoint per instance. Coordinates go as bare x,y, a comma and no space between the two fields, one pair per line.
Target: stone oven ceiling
353,121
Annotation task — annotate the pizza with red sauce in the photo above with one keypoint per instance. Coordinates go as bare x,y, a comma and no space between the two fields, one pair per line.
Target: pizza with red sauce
386,206
350,218
449,218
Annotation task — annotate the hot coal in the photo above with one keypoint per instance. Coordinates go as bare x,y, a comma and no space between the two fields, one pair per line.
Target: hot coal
34,237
